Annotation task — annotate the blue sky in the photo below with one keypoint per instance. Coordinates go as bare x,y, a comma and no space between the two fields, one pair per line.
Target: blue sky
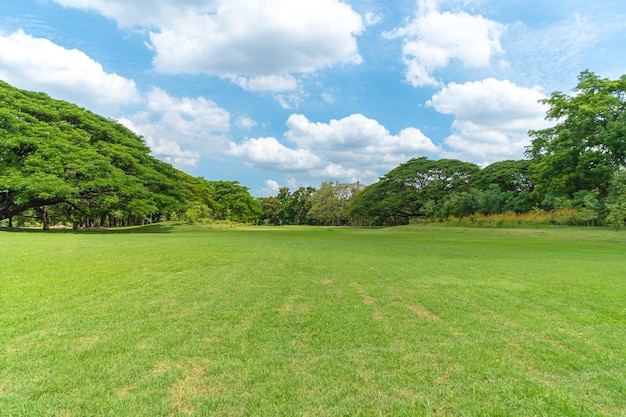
295,92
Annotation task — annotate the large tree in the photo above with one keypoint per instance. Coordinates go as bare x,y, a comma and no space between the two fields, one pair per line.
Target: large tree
55,153
406,190
513,176
588,140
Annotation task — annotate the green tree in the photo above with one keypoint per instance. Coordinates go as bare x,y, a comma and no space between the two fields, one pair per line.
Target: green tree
54,153
616,201
298,205
329,204
508,175
587,142
271,211
234,202
405,190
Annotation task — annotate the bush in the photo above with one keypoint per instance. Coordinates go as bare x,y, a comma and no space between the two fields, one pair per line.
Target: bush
535,217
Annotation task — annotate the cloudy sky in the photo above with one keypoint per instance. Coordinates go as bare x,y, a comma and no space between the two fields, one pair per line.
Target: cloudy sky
295,92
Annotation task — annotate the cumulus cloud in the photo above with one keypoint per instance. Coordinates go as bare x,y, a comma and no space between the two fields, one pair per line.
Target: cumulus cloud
355,137
492,118
271,188
257,44
354,148
39,64
131,13
270,153
179,130
433,39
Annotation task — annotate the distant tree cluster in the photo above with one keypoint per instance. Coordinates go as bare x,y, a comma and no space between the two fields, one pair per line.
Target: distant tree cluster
325,206
61,164
578,164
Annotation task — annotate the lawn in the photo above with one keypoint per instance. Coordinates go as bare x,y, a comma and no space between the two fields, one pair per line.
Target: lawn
415,321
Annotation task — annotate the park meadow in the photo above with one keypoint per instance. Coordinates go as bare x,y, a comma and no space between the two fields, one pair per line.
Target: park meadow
427,320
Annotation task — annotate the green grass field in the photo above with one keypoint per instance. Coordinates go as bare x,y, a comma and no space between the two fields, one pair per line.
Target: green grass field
410,321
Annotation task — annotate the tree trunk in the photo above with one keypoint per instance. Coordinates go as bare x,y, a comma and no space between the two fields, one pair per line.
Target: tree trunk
10,221
46,218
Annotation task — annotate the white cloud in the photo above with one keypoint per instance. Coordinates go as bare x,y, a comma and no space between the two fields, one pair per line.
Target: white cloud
270,153
355,137
433,39
289,101
245,122
492,118
328,98
257,44
354,148
179,130
39,64
129,13
372,19
271,188
266,83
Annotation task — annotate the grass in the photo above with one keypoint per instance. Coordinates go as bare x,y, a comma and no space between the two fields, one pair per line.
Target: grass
419,321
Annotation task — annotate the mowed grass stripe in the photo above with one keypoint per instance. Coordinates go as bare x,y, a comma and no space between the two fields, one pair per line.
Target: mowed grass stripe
313,321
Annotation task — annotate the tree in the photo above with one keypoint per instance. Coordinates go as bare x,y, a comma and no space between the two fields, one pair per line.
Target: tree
298,205
329,204
271,211
509,175
406,190
53,153
588,141
616,201
234,202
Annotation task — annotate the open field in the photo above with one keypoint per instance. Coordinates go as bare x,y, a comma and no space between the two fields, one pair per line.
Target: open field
416,321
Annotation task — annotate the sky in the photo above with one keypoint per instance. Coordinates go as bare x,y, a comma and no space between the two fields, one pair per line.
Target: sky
290,93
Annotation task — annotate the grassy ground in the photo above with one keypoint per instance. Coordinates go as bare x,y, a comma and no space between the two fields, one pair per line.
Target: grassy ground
312,322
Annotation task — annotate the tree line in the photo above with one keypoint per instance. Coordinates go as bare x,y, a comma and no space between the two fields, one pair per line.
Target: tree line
61,164
577,165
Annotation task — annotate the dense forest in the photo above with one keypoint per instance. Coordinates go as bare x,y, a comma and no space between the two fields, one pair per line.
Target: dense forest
63,165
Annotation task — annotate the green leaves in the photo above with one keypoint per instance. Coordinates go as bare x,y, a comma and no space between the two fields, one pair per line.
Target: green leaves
588,142
409,189
52,152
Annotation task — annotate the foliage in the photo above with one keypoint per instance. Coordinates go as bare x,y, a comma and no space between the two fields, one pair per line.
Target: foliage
329,204
511,176
616,202
586,144
405,190
62,164
234,202
536,217
287,207
568,175
55,153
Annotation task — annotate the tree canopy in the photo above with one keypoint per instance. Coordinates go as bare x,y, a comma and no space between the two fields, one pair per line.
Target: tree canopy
405,190
57,159
587,143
